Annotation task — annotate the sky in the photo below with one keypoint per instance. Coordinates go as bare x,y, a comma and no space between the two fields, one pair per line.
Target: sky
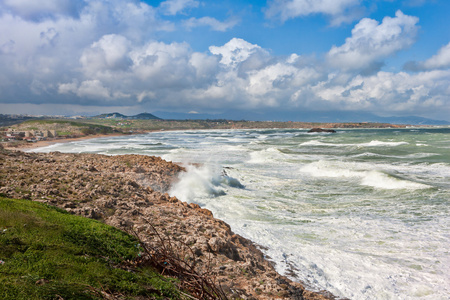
85,57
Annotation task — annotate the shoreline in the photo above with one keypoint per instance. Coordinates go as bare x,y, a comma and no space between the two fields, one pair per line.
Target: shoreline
231,246
49,142
38,144
126,191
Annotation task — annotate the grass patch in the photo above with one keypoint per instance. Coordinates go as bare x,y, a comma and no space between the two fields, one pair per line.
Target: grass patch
65,127
47,253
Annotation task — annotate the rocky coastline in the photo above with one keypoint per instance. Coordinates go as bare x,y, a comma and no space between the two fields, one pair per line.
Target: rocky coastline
130,193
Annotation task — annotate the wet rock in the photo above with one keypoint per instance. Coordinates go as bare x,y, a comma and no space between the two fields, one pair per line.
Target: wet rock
321,130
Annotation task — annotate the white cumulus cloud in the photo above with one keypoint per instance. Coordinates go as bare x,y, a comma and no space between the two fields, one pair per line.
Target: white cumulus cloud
235,51
109,53
440,60
371,42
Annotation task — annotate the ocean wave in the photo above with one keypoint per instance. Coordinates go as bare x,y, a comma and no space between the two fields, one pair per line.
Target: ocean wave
409,156
381,180
362,175
374,143
204,181
265,156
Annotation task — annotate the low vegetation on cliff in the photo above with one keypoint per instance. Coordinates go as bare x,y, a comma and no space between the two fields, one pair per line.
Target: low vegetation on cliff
47,253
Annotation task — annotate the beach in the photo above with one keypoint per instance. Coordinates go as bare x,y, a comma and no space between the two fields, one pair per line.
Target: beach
51,141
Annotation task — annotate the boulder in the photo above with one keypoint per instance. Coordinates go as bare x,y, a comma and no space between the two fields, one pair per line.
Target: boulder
321,130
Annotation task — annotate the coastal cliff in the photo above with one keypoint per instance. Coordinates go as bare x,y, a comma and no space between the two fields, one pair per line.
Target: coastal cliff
129,192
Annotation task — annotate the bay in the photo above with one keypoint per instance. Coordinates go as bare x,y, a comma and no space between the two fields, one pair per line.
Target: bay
362,213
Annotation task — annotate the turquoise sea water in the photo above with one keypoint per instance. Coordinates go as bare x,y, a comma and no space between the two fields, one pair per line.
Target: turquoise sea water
362,213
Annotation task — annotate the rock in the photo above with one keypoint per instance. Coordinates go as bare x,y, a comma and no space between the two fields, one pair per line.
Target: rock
321,130
130,192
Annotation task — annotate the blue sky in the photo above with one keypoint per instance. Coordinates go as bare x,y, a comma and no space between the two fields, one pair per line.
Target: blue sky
388,57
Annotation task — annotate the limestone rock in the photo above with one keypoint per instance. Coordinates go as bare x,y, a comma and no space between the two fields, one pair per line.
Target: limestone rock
130,193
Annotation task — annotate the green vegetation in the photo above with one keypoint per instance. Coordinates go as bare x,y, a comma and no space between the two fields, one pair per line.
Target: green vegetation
65,127
46,253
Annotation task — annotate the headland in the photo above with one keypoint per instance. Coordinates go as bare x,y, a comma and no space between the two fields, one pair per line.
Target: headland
129,192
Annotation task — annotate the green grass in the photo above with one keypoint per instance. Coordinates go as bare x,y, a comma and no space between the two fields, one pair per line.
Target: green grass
52,121
69,126
47,253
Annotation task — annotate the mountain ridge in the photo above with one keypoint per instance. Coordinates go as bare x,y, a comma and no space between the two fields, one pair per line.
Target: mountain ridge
306,116
116,115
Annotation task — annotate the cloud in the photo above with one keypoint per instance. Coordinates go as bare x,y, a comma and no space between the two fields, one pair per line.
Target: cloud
36,10
371,42
115,70
340,11
38,55
235,51
111,55
92,89
387,92
173,7
441,60
213,23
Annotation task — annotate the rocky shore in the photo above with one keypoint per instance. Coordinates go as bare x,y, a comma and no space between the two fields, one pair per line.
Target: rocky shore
130,193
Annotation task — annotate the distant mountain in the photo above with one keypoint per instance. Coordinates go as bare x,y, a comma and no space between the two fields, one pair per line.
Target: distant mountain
414,121
144,116
8,120
304,116
116,115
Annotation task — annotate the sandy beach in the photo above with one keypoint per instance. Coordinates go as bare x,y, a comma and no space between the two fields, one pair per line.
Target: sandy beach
27,146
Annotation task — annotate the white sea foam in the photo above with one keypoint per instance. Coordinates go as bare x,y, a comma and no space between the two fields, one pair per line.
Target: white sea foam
319,143
323,168
361,172
268,155
383,181
408,156
203,182
374,143
196,183
368,154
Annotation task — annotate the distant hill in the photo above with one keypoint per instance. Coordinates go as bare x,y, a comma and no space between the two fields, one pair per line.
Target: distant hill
116,115
305,116
8,120
144,116
413,120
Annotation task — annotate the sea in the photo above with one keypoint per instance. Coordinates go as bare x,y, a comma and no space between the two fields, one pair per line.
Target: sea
361,213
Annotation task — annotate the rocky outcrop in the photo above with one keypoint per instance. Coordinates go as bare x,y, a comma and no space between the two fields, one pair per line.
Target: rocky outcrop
321,130
129,192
